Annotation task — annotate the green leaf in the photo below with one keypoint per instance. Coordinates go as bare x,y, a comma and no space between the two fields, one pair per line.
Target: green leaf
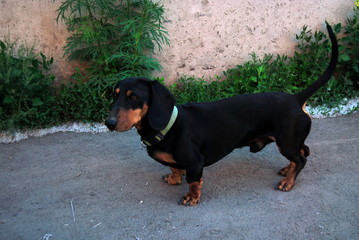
337,28
9,99
344,57
36,102
2,45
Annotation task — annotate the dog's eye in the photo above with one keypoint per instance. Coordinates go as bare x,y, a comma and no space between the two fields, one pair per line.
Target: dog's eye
133,97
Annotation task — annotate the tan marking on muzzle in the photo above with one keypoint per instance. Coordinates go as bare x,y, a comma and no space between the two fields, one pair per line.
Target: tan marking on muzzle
126,119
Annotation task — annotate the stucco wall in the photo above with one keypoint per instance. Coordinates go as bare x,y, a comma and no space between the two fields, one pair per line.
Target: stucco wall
207,36
34,21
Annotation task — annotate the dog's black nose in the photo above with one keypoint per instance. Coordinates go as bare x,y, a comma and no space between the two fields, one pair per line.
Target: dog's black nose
111,123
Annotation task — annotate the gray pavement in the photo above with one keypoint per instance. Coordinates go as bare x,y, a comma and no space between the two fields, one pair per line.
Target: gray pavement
104,186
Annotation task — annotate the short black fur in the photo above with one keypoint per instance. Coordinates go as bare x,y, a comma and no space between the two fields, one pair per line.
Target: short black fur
204,133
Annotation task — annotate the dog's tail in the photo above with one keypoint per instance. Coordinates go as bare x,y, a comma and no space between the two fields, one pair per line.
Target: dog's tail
305,94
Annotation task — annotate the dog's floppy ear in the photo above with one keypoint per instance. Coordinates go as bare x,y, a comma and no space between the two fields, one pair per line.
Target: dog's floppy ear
161,106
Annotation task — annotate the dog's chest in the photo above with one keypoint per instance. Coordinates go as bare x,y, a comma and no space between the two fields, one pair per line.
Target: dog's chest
162,157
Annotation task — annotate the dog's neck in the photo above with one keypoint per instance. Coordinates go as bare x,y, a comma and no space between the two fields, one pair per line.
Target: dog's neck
150,136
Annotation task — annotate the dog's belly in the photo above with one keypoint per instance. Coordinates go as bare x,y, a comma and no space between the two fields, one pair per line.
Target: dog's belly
218,147
214,151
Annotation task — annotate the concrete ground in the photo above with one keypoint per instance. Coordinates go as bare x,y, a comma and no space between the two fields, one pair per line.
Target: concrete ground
104,186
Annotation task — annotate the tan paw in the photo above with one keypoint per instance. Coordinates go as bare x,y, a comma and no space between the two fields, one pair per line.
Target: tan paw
286,184
189,200
172,179
193,196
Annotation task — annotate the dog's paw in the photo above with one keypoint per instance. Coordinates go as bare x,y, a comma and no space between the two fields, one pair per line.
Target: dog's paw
285,184
193,196
189,200
172,179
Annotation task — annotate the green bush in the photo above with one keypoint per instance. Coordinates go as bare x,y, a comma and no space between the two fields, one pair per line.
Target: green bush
114,36
84,101
116,39
348,69
26,100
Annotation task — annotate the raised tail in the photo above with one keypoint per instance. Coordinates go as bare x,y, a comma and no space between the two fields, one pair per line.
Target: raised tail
309,91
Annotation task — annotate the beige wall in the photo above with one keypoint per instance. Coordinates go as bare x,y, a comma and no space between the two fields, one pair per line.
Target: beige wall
35,21
207,36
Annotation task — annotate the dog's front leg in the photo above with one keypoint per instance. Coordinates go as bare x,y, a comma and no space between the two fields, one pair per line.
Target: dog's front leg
195,181
193,196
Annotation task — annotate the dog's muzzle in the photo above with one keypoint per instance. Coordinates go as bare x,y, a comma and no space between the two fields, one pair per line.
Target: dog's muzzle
111,123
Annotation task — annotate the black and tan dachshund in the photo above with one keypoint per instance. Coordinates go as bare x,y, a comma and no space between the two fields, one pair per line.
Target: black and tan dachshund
191,136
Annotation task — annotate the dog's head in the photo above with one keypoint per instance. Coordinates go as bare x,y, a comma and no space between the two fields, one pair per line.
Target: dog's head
140,99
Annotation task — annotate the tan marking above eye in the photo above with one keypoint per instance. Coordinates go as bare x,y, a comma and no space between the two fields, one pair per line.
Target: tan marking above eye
117,90
129,93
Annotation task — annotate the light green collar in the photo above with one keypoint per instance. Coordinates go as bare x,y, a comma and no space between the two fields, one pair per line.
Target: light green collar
159,136
171,122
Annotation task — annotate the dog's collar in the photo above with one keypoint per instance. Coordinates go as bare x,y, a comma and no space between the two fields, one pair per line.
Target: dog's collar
150,141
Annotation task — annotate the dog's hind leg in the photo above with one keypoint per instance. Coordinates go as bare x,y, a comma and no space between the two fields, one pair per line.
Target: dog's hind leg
290,173
304,153
291,145
175,178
